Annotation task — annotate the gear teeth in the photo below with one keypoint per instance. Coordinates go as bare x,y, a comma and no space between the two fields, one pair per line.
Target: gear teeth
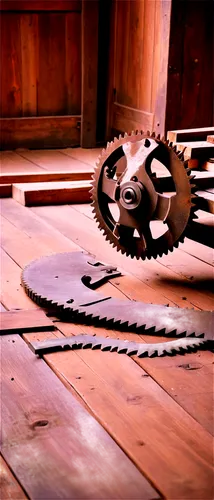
153,134
148,133
158,137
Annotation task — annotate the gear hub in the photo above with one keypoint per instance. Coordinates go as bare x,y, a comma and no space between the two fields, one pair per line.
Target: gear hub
128,195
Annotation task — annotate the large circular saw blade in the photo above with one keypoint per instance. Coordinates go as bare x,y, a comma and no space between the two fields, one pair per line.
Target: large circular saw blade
127,199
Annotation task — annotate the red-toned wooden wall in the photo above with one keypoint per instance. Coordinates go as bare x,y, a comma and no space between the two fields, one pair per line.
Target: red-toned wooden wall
47,98
41,62
138,64
190,94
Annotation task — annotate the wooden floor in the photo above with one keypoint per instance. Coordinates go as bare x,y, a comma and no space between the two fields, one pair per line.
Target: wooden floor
90,424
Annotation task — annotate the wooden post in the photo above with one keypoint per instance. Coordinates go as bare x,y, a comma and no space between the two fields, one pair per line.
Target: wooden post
89,72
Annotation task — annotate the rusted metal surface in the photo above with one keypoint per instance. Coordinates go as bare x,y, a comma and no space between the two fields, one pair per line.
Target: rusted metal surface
125,176
66,282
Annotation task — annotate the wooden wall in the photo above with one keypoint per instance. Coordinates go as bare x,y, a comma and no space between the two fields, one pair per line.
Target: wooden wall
190,94
41,62
138,64
49,73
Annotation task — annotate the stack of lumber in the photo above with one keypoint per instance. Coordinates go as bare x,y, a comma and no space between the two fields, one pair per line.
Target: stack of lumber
46,177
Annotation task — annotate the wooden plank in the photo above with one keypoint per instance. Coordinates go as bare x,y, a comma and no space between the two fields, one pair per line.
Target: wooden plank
55,160
41,5
10,488
89,59
181,292
126,119
12,162
12,293
40,132
50,176
26,223
51,65
160,64
205,201
53,428
88,156
25,321
179,466
5,190
11,92
199,150
191,134
29,67
51,193
73,62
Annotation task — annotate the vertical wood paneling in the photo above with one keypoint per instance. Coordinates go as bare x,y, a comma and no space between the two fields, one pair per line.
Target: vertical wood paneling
11,98
190,76
73,62
148,55
29,67
51,76
135,52
121,53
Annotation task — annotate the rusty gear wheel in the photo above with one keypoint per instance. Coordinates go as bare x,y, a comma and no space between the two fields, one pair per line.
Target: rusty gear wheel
128,196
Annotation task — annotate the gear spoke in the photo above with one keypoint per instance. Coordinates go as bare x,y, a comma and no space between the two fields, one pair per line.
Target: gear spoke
162,207
109,187
136,197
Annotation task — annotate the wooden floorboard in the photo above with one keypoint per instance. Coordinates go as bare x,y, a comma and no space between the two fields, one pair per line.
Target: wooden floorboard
55,160
168,282
143,419
65,444
159,411
10,488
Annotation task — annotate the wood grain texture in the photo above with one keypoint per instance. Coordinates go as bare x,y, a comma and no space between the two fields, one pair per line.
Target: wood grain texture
89,58
51,81
73,63
38,132
51,193
165,280
10,488
138,62
12,293
139,404
12,162
53,428
29,63
190,77
53,160
11,92
24,321
194,134
50,176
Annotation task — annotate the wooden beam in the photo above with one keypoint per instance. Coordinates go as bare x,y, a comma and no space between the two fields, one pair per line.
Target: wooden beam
196,150
41,5
40,132
24,321
24,177
191,134
89,72
51,193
